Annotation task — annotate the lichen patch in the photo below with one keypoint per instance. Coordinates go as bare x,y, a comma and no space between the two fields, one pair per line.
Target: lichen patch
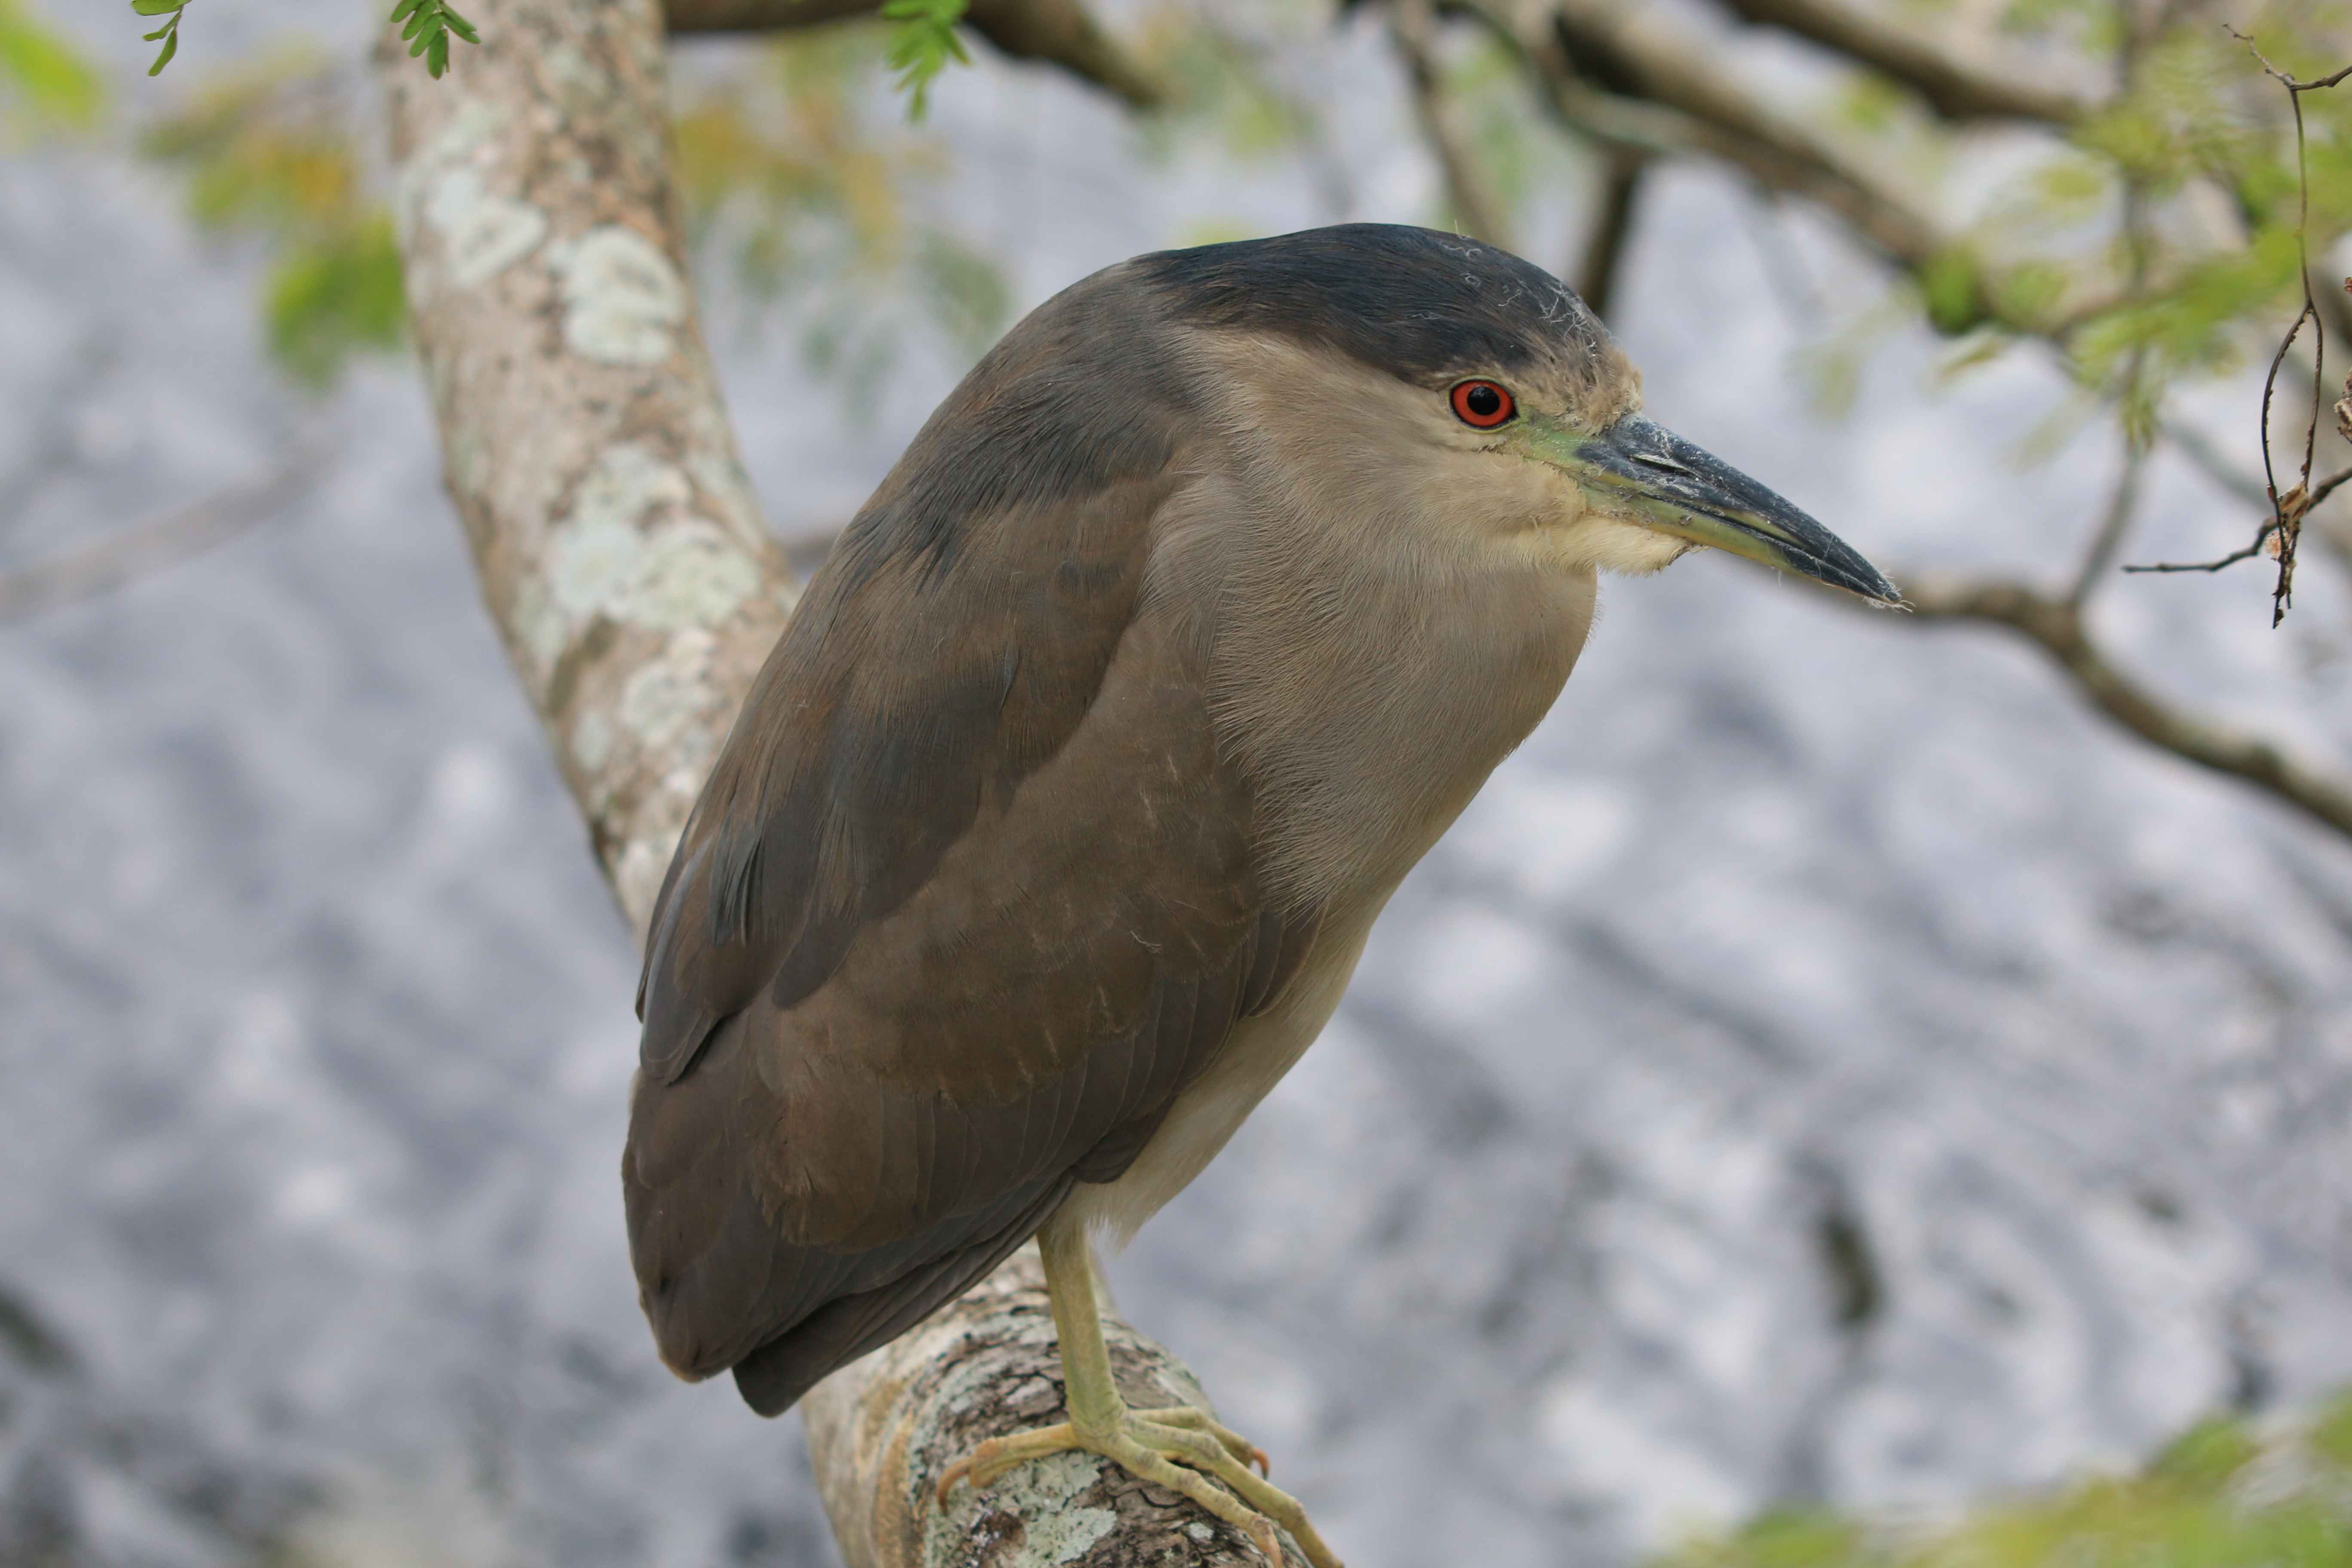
482,234
591,742
442,191
1040,1494
622,301
667,705
632,552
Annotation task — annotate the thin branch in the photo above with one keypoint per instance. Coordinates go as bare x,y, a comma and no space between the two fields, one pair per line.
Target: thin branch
1953,88
2057,627
1631,77
2297,501
149,547
2287,509
1058,32
1612,229
2110,539
2137,423
2261,538
1472,200
2247,486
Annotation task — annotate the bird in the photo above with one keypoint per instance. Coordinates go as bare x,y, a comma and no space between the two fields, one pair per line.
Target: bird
1049,835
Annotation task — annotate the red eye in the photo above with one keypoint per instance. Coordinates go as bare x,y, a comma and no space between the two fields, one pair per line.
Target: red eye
1482,405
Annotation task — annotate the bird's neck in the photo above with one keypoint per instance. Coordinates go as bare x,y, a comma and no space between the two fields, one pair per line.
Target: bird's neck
1369,683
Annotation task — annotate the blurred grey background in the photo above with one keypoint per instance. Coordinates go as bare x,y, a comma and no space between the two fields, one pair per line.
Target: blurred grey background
1826,1063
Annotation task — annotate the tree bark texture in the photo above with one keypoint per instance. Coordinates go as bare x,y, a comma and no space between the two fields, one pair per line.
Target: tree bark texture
1058,32
620,551
625,563
882,1430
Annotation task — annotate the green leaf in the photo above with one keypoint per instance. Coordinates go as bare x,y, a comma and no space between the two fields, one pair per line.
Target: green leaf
53,83
427,26
157,8
171,47
923,44
334,298
1949,287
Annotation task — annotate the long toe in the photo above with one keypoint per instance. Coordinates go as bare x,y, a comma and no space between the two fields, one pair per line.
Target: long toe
1178,1449
1193,1418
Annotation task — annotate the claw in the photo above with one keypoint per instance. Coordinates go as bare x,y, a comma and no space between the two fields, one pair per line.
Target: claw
1145,1442
951,1475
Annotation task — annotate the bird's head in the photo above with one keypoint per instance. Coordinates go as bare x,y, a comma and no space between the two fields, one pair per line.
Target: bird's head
1427,375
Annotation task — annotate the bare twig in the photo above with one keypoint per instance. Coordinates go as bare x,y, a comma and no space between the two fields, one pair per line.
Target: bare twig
2297,502
1058,32
1611,228
2247,486
1955,89
2261,538
2056,626
149,547
2121,504
1474,201
2287,511
2138,424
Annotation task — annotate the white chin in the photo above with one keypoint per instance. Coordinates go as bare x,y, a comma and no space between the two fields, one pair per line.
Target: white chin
1627,548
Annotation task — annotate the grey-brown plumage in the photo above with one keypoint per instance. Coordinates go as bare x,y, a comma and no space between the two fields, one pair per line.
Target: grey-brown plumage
1048,835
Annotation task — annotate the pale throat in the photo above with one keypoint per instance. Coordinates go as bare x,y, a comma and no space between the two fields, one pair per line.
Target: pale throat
1628,549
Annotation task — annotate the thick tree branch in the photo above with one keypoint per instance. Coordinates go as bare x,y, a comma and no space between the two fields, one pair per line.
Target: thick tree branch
1058,32
621,553
1954,87
2056,627
621,557
882,1429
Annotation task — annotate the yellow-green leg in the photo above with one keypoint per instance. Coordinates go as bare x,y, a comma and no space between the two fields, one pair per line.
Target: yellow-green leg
1146,1443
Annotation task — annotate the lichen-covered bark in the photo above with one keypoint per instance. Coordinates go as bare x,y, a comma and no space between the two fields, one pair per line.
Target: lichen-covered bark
620,551
882,1429
624,562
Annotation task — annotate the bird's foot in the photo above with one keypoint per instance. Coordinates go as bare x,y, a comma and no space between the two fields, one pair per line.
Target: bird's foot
1157,1446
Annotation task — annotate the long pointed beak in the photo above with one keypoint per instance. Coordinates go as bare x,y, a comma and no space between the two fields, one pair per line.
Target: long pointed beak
1645,473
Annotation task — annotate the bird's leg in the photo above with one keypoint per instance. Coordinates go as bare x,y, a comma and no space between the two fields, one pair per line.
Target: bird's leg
1146,1443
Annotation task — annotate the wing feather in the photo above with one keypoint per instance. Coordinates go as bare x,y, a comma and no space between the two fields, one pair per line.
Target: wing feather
970,894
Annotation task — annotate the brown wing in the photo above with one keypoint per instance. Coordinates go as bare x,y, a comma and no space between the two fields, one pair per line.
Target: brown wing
968,897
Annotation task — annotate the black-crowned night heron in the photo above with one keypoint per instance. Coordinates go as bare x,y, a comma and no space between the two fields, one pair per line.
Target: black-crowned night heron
1048,838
